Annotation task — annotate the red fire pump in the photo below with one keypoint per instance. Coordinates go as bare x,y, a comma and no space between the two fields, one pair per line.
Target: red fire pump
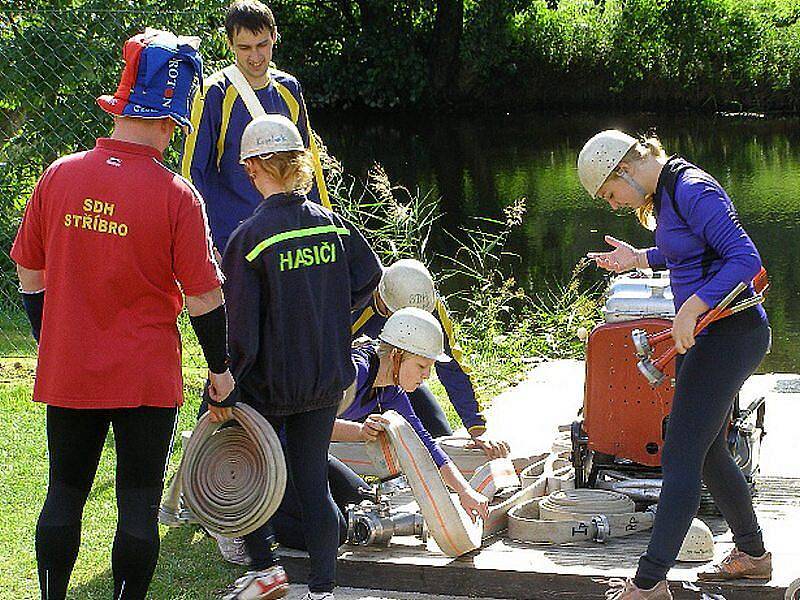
629,384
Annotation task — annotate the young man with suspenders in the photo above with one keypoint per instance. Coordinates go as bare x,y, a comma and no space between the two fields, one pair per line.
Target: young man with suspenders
234,96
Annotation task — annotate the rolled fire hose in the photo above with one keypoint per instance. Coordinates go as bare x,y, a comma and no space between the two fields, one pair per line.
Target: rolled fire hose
468,460
562,442
642,490
569,516
542,474
233,477
400,448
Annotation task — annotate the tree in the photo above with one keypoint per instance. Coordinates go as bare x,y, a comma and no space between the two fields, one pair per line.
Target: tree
445,56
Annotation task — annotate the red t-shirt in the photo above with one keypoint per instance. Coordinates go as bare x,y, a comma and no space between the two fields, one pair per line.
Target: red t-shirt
116,233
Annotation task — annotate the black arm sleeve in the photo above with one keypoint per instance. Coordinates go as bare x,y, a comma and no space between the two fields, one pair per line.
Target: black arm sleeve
34,305
212,334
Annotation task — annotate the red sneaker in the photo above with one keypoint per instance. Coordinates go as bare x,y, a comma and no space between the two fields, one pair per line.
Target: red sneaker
259,585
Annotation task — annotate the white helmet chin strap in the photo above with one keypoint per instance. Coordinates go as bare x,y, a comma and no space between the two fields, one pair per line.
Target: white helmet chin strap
631,182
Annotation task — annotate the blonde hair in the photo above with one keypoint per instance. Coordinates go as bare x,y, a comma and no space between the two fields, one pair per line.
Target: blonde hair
644,148
292,170
385,349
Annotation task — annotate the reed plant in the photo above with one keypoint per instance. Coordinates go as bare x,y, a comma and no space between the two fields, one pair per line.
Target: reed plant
501,327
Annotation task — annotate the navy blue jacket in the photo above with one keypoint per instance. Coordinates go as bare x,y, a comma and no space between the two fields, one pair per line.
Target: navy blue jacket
294,271
211,152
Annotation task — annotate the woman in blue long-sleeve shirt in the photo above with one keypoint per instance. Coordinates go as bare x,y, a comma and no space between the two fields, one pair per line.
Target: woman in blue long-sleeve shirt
386,371
700,240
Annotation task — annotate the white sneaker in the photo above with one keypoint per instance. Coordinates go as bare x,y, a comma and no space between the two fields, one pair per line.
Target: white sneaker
233,550
258,585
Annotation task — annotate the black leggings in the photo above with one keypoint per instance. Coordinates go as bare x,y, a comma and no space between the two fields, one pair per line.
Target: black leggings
75,439
345,486
709,376
308,436
429,411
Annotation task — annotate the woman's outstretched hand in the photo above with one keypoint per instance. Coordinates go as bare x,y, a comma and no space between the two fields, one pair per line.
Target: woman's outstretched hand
623,257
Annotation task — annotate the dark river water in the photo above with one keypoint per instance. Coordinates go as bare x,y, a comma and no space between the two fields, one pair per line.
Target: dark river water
477,165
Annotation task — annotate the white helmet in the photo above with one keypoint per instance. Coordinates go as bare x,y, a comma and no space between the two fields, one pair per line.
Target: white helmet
416,331
698,545
600,156
407,282
268,134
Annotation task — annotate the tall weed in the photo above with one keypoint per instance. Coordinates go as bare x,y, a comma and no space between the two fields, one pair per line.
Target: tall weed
501,327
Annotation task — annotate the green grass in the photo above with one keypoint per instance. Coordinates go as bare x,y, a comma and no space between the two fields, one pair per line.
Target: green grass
15,334
189,565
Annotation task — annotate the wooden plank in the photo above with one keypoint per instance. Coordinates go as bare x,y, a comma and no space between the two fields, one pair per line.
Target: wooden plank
505,569
460,579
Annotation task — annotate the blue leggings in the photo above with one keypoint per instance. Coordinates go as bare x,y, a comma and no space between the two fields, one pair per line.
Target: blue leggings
709,376
308,435
345,488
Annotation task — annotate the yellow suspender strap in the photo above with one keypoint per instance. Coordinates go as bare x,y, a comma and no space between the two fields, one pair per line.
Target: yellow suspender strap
198,104
365,316
294,110
447,325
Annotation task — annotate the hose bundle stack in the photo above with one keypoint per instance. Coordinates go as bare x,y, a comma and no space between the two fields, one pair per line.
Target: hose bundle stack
569,516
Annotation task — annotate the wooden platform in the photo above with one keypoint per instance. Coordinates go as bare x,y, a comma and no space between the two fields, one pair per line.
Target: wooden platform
506,569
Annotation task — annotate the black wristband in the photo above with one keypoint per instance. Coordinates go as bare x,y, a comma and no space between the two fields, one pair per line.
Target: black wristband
34,305
212,333
227,403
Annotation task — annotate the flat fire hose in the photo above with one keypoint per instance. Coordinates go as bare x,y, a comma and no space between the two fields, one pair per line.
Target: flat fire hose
493,476
398,447
557,471
234,477
498,513
545,473
355,456
569,516
348,396
468,460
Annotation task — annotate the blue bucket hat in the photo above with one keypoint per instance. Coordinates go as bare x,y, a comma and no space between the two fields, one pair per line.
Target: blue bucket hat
160,69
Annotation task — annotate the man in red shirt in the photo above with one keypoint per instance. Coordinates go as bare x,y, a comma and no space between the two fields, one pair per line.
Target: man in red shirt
118,239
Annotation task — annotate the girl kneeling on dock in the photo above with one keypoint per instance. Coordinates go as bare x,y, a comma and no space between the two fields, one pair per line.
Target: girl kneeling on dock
294,271
699,238
386,371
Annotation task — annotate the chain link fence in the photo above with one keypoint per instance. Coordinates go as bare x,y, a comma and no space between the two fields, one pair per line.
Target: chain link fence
53,64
